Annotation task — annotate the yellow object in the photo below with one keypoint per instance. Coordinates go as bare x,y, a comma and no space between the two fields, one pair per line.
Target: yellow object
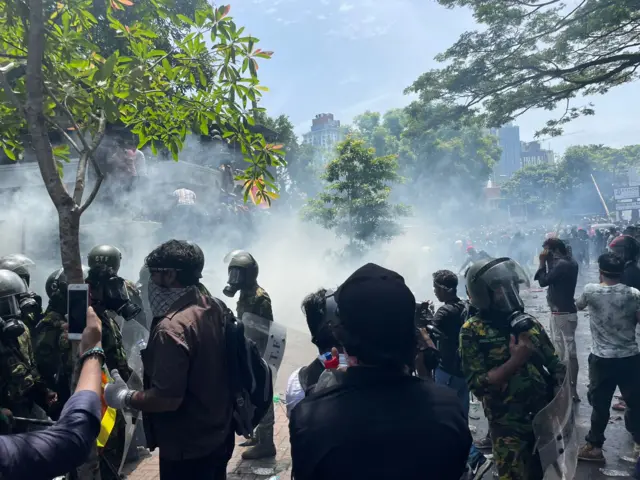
108,414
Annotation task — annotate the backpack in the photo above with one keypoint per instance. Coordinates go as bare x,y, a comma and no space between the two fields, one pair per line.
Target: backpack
250,377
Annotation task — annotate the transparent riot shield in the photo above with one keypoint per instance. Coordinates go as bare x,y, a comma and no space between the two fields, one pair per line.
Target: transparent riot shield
274,351
256,328
134,339
556,435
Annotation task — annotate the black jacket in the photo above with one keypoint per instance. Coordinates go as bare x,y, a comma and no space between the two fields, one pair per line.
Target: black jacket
631,275
449,319
561,277
379,424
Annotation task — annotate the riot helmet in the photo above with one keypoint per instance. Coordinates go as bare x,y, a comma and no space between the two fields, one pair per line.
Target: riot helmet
494,286
12,287
105,254
243,272
57,282
626,247
20,264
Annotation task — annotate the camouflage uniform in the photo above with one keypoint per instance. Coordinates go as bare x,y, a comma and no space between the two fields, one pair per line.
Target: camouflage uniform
21,387
53,354
255,300
204,291
510,408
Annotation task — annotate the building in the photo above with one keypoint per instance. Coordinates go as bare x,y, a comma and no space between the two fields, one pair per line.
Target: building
533,154
509,141
325,131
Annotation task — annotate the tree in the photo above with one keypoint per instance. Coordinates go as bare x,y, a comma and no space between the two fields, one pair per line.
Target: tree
53,76
536,54
539,187
355,203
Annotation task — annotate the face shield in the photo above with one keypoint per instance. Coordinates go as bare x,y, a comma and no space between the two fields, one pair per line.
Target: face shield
237,278
503,280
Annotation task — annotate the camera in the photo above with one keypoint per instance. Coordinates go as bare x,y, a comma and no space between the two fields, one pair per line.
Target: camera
423,319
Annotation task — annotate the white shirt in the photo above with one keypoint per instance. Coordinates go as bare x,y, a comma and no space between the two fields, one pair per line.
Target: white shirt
185,196
612,317
294,392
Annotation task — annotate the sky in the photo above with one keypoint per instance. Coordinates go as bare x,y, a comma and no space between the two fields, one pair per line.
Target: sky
348,56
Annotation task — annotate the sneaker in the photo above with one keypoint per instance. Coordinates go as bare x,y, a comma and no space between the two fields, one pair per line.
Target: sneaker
589,453
620,406
484,443
481,467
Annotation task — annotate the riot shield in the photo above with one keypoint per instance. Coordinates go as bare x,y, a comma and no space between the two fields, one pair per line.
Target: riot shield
274,351
256,328
556,435
134,339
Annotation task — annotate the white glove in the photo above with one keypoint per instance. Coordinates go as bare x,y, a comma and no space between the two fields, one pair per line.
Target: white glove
117,395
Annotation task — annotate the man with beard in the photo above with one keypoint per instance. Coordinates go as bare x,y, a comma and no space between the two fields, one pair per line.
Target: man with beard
254,310
559,271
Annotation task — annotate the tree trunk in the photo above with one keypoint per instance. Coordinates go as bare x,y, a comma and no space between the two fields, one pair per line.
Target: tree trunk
69,227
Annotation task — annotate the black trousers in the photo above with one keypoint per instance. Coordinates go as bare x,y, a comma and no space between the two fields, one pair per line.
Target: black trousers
211,467
605,374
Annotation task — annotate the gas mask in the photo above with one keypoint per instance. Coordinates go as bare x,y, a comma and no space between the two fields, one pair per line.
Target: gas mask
237,278
116,299
11,327
30,303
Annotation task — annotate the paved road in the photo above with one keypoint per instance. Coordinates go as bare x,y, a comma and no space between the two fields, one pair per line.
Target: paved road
299,350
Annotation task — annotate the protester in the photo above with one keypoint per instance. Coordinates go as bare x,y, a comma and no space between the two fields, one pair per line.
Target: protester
318,314
559,271
449,319
614,361
187,418
352,430
49,453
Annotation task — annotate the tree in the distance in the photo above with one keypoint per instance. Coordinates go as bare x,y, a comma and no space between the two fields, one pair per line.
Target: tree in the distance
355,203
536,54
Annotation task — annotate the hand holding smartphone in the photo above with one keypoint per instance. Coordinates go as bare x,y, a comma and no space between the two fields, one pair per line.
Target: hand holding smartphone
77,306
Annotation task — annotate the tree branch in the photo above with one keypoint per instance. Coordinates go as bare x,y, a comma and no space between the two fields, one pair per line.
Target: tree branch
15,57
65,134
99,175
66,110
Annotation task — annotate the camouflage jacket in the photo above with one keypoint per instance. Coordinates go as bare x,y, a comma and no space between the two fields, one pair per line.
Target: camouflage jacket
20,381
112,345
484,347
136,297
53,352
204,291
256,301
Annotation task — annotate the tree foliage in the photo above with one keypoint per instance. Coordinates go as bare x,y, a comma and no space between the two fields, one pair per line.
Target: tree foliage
53,75
536,54
568,186
449,163
355,202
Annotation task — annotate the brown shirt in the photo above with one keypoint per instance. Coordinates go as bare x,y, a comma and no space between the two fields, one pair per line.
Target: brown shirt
186,358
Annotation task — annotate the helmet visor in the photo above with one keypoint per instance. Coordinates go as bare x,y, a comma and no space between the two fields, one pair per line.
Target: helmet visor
236,276
503,278
9,307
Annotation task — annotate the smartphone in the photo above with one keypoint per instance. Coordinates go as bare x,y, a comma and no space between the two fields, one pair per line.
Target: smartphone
77,306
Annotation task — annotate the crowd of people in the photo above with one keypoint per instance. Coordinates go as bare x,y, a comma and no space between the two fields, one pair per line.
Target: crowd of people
388,367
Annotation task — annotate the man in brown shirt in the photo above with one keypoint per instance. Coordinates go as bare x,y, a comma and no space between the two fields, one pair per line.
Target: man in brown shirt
186,403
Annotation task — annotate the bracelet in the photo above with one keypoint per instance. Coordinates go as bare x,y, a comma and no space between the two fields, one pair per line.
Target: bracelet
128,397
93,352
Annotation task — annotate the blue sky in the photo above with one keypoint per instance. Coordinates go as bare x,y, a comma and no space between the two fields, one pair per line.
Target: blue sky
348,56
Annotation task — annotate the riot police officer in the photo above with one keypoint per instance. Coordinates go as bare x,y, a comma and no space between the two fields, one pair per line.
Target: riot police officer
510,364
51,345
30,302
22,391
254,310
112,257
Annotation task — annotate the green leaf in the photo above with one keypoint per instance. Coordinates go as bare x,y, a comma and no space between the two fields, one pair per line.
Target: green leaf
107,67
186,19
10,154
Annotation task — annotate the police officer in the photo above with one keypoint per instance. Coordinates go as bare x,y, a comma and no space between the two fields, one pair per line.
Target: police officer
22,390
30,302
254,309
51,345
112,257
510,364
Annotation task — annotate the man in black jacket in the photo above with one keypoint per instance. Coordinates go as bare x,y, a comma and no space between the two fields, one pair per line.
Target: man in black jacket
351,430
559,271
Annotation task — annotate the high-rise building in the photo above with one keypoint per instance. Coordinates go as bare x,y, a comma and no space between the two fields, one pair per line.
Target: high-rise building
509,141
325,131
533,154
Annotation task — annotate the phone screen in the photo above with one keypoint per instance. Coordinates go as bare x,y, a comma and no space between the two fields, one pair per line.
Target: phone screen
78,305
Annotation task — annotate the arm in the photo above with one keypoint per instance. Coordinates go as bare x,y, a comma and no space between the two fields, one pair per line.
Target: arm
582,302
167,374
546,276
